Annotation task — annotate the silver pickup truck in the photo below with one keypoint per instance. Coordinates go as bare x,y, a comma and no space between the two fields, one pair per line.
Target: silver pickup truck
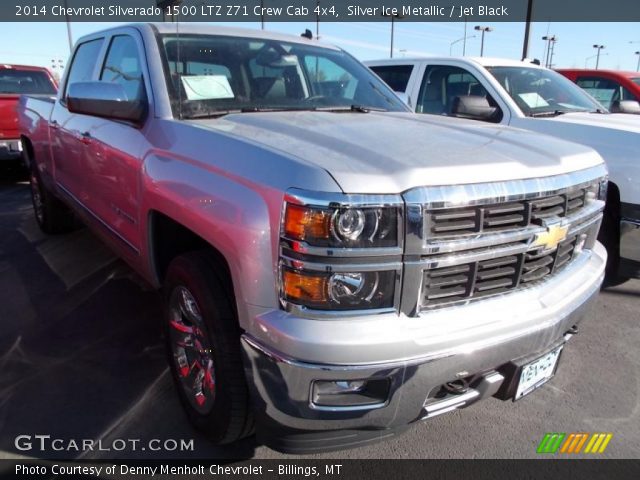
334,267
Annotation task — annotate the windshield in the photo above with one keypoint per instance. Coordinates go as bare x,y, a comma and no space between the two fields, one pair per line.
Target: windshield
212,74
636,80
543,92
25,82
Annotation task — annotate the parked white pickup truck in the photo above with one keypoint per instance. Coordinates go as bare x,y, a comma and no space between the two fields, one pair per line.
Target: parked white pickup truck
531,97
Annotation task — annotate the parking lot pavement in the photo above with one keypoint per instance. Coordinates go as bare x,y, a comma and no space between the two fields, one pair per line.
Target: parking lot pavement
81,357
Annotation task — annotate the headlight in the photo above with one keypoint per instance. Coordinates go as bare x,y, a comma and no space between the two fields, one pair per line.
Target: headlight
342,227
339,290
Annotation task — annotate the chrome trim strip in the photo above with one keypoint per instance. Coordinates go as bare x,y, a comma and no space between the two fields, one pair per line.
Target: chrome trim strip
102,222
323,266
501,192
351,408
306,249
417,241
304,312
338,199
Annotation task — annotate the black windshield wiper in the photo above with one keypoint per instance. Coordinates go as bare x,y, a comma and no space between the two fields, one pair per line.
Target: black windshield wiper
350,108
222,113
337,109
553,113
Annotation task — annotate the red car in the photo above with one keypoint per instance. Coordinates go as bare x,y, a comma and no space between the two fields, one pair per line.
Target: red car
617,90
14,81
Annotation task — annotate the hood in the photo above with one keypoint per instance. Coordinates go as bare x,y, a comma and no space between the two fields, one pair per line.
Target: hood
614,121
393,152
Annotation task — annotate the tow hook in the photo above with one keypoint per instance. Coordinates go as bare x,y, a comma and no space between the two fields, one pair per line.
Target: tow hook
571,332
457,387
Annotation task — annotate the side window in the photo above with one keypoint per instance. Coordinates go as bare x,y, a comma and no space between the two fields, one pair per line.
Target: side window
603,90
123,66
443,84
84,62
396,76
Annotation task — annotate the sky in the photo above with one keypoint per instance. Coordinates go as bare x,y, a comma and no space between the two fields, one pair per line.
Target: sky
46,44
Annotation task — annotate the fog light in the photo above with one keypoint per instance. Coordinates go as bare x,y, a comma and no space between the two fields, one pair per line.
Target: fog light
350,393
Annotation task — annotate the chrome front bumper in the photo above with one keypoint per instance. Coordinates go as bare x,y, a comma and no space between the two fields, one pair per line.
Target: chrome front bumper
417,355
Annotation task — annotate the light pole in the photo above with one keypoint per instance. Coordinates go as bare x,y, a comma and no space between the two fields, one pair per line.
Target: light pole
527,28
317,19
393,18
458,41
599,47
586,60
638,66
483,30
66,16
549,39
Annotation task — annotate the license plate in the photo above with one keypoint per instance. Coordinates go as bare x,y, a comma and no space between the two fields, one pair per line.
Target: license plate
537,373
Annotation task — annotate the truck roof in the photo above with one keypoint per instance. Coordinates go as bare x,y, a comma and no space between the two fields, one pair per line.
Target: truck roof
203,29
617,73
483,61
8,66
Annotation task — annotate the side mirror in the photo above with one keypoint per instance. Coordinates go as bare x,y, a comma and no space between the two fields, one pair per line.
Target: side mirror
474,107
625,106
404,97
103,99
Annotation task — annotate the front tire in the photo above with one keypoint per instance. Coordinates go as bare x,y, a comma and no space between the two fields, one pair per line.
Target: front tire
203,346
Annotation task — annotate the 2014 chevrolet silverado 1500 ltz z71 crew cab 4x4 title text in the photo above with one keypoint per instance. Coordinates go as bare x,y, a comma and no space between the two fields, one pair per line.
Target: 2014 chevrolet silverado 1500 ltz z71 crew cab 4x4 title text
528,96
334,266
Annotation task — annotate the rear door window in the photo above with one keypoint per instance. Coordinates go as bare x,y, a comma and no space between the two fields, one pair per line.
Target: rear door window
396,76
604,90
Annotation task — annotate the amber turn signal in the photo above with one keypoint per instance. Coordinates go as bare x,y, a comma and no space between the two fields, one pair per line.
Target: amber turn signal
304,223
304,287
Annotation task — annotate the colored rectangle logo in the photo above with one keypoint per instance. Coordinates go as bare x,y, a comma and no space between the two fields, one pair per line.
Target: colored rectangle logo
574,443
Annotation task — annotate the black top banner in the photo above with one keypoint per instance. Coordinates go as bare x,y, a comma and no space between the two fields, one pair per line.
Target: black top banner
322,10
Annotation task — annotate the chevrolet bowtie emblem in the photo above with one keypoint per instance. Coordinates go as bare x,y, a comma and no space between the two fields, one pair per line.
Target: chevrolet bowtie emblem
552,237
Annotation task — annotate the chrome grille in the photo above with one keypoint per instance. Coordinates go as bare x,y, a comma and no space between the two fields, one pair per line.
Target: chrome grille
502,216
443,285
